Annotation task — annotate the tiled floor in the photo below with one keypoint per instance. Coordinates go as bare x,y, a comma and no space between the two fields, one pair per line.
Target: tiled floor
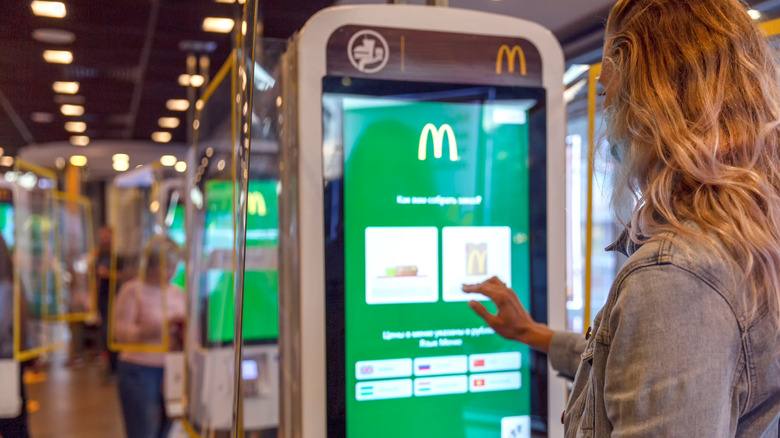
75,403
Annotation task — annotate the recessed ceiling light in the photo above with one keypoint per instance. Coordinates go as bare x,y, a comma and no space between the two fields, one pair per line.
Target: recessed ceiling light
72,110
168,160
58,56
162,137
79,140
218,25
48,9
77,127
226,1
754,14
65,87
168,122
121,166
40,117
6,161
120,157
54,36
180,166
78,160
177,104
191,80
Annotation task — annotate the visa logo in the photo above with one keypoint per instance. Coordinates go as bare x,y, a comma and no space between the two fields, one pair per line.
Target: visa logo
424,367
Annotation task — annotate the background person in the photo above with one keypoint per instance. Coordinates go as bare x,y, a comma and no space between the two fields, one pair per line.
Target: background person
687,343
139,320
16,427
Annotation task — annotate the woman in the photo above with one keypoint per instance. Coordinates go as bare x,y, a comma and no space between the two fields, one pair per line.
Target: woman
139,320
687,343
17,426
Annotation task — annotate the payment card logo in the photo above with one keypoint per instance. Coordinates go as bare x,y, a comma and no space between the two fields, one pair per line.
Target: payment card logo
368,51
476,259
366,370
510,54
437,134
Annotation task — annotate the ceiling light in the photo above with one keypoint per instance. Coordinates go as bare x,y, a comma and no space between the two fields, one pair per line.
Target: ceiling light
54,36
6,161
2,151
218,25
48,9
72,110
197,80
177,104
77,127
78,160
154,207
191,80
58,56
79,140
181,166
168,122
120,157
168,160
754,14
39,117
226,1
121,166
65,87
162,137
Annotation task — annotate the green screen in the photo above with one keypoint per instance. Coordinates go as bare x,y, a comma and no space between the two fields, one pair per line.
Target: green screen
435,195
261,278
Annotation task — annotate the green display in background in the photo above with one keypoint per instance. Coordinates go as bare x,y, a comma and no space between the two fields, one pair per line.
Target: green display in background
175,221
7,224
423,214
261,278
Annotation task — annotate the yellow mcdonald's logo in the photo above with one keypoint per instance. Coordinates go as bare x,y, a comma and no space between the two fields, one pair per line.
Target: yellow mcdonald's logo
476,263
510,55
438,140
256,204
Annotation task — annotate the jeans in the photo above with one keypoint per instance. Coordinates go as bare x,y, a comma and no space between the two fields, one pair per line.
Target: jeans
143,408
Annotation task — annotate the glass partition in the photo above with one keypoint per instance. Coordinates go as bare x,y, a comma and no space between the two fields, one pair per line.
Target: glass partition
38,302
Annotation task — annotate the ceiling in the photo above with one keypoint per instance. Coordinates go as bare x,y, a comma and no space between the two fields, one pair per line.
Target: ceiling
128,55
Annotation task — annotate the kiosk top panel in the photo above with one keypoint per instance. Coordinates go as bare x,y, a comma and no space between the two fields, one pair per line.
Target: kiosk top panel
391,53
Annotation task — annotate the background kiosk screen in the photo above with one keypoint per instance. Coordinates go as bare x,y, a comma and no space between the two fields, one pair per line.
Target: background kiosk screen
442,185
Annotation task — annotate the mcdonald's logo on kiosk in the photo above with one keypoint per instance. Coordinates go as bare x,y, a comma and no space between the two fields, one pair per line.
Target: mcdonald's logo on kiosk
510,54
438,139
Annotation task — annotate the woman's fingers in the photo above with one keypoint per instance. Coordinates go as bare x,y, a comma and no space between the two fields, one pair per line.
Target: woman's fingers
483,312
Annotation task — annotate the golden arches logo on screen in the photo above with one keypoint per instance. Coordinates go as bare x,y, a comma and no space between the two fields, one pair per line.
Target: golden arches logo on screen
510,55
437,134
476,259
256,204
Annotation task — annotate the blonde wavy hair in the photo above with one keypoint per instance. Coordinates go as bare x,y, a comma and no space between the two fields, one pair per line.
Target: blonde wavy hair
696,110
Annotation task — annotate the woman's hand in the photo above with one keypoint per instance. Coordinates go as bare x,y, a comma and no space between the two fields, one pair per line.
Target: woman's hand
511,321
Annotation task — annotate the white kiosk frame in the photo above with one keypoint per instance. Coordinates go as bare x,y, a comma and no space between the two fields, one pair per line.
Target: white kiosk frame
302,331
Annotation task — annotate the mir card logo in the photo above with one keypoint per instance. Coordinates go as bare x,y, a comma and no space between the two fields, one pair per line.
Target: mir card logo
437,134
368,51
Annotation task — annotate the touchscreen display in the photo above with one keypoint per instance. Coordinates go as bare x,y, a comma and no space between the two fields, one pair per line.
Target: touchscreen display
261,320
439,189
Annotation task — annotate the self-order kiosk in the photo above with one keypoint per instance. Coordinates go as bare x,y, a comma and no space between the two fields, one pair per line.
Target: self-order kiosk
424,149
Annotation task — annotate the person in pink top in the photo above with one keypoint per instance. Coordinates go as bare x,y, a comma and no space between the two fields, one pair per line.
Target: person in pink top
141,319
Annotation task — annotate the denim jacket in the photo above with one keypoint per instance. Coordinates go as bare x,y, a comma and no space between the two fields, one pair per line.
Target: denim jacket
673,353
